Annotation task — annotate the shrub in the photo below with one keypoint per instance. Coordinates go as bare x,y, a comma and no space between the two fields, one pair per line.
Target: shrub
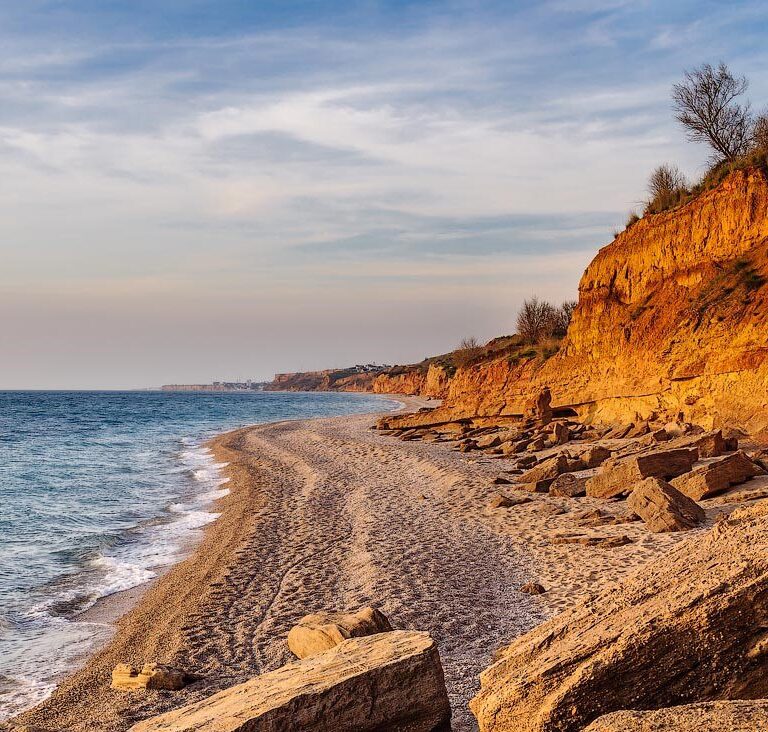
666,187
760,133
538,320
632,219
468,350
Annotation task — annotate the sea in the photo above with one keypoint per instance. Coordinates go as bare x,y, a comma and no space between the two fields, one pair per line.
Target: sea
99,491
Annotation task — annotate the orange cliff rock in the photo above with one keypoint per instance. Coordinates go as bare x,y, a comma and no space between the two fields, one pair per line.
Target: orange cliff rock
672,319
432,383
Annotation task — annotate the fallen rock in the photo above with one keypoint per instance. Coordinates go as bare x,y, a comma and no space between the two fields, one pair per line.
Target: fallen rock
152,676
568,485
488,441
532,588
389,681
502,501
664,508
619,432
617,477
718,476
709,444
595,456
317,633
689,627
719,716
561,433
499,480
546,470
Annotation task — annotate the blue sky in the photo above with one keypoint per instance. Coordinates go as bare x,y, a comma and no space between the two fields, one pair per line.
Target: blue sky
198,190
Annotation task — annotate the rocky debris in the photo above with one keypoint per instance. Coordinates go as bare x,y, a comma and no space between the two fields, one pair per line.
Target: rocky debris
537,486
604,542
502,501
737,496
761,458
590,519
688,627
152,676
664,508
317,633
389,681
560,433
717,476
718,716
595,456
488,441
619,432
532,588
537,444
500,480
709,444
568,485
619,476
546,471
640,429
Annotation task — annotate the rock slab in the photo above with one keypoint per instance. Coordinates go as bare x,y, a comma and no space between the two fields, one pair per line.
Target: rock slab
617,477
689,627
388,681
317,633
723,716
718,476
664,508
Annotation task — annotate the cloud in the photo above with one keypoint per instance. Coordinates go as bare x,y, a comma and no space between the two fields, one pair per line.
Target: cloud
270,153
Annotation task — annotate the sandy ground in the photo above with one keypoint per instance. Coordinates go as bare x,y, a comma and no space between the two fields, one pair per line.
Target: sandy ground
328,514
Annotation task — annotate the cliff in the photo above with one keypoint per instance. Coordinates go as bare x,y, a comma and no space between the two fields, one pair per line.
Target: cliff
328,380
671,321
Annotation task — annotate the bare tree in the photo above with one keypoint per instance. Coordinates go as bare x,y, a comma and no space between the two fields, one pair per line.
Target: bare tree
535,320
562,318
760,133
469,344
706,104
665,187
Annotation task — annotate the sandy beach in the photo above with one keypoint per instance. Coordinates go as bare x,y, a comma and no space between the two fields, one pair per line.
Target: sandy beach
328,514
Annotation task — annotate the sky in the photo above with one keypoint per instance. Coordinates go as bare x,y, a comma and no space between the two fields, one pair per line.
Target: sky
202,190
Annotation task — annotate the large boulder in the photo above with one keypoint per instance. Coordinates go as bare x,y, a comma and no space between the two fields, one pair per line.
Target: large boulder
546,470
568,485
689,627
388,681
717,476
317,633
664,508
721,716
619,476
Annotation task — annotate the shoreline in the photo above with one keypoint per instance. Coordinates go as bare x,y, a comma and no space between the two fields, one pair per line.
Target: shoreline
112,610
328,514
109,609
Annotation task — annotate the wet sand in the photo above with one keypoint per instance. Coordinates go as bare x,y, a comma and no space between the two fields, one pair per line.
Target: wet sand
328,514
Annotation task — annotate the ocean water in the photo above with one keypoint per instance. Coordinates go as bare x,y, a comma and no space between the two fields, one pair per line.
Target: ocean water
98,492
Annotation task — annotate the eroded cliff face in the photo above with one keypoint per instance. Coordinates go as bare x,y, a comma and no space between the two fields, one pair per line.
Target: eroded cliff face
672,319
329,380
432,383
